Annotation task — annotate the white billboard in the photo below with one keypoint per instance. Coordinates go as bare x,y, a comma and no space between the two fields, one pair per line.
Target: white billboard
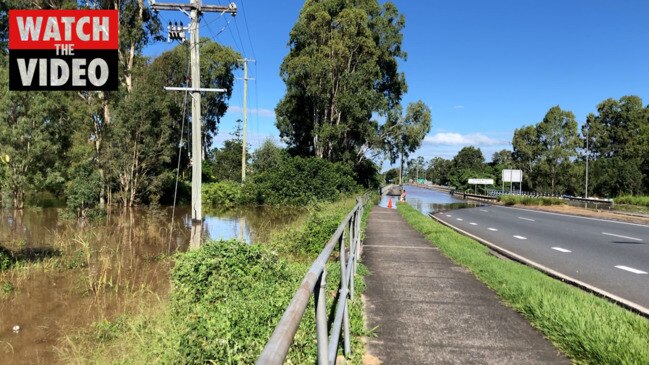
513,176
481,181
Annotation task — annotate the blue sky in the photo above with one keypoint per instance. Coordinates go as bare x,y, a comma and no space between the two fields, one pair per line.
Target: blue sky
484,68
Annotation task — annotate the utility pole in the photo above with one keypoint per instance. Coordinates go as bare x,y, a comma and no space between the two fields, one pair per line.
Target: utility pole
245,115
196,9
587,155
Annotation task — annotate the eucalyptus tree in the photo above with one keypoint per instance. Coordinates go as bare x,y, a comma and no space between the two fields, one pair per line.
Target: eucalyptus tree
618,138
342,67
559,139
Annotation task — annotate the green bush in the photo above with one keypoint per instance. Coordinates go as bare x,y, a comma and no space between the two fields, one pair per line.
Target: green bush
6,259
225,194
300,181
632,200
529,200
309,235
227,297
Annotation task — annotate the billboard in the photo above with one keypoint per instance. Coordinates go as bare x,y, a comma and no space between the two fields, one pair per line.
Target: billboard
514,176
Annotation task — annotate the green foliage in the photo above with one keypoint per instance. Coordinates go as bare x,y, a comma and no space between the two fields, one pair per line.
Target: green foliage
7,259
310,234
224,194
341,68
589,329
632,200
300,181
82,191
225,301
392,176
530,200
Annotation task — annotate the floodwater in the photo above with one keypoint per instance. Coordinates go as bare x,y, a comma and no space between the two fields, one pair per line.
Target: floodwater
73,276
429,201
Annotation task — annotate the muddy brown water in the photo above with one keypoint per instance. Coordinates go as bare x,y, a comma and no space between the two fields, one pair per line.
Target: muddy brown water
72,276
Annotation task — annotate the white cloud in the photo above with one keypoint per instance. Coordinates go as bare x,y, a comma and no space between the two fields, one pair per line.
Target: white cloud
457,139
261,111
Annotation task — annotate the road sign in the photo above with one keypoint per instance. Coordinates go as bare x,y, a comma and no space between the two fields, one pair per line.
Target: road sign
481,181
513,176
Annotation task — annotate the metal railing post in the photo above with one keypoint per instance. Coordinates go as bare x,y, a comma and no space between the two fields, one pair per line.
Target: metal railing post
321,319
352,253
344,292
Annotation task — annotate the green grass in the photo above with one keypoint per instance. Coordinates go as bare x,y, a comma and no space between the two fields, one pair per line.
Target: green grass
587,328
226,300
632,200
529,200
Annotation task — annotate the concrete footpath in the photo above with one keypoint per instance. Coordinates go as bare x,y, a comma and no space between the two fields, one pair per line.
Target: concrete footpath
427,310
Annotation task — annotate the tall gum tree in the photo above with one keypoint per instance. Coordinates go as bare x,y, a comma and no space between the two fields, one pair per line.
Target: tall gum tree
341,68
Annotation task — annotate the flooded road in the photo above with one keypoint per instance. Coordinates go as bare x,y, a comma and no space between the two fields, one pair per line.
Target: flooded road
429,201
70,276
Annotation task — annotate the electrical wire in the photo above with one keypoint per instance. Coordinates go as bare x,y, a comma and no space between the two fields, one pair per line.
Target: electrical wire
180,148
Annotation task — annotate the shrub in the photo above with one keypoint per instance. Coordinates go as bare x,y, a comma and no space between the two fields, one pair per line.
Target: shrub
7,259
227,297
632,200
300,181
224,194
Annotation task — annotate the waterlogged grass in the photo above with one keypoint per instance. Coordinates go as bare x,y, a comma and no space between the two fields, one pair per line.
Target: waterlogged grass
529,200
632,200
226,300
587,328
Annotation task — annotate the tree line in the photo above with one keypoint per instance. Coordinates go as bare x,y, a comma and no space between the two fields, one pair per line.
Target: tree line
553,154
342,105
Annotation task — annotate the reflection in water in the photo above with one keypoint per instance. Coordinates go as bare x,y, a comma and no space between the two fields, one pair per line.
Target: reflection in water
98,267
430,201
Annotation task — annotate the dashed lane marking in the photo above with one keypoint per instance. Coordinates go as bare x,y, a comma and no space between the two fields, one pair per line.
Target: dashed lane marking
484,210
473,224
460,219
561,249
527,219
627,237
492,229
630,269
520,237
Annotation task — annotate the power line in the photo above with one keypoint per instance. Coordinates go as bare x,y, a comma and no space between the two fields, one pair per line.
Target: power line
245,21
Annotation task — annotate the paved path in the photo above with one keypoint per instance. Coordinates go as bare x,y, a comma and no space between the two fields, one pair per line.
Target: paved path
427,310
609,255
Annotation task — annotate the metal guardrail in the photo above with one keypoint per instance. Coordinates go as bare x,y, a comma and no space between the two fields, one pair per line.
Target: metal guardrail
314,282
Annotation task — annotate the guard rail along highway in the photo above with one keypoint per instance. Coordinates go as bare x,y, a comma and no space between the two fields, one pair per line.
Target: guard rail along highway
348,240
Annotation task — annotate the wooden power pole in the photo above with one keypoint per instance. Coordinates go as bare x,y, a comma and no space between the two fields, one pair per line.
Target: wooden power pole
196,9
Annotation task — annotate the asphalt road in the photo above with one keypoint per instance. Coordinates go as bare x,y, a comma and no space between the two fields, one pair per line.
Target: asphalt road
612,256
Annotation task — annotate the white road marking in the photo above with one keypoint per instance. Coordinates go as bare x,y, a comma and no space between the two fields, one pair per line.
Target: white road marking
492,229
460,219
574,216
484,210
473,224
520,237
448,215
527,219
561,249
635,271
627,237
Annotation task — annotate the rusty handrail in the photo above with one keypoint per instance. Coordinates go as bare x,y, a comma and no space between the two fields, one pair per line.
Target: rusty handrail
314,282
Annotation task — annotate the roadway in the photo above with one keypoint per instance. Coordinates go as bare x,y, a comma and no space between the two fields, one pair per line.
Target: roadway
609,255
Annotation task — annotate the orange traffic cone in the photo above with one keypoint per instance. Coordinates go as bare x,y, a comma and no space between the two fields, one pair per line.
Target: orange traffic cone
390,203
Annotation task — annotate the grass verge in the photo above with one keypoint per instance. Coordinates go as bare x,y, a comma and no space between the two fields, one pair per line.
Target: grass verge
226,300
529,200
587,328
